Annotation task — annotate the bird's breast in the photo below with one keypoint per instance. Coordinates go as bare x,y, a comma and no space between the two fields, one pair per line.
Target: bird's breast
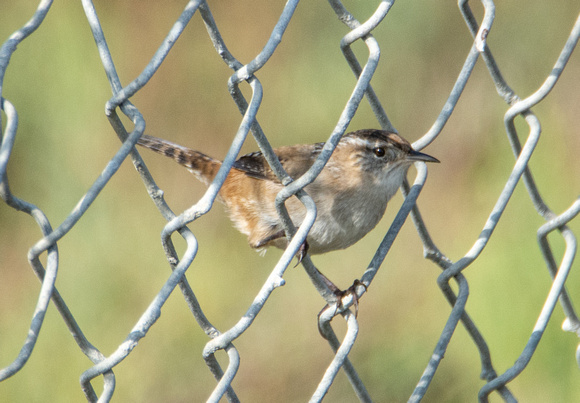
345,218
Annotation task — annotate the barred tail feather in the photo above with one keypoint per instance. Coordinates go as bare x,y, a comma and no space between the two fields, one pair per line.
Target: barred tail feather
202,166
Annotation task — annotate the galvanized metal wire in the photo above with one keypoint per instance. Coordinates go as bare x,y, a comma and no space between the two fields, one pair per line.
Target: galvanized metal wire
247,75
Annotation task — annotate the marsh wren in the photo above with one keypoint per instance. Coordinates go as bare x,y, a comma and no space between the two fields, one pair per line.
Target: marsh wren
351,193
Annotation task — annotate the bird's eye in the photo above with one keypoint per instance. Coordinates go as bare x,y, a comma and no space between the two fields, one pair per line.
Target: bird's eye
379,151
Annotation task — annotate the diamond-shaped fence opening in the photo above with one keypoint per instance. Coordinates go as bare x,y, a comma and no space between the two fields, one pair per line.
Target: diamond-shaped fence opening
199,316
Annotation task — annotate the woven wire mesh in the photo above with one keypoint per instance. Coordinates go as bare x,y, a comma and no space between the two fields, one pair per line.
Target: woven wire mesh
360,45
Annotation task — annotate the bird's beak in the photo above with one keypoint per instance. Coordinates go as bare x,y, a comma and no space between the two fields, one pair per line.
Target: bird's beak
417,156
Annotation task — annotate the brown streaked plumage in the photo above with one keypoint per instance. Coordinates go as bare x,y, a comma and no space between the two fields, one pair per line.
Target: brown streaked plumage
351,193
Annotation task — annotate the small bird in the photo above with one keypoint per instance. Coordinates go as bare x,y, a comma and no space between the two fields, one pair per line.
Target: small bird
351,193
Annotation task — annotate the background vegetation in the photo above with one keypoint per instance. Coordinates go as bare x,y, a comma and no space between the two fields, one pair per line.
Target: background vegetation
112,264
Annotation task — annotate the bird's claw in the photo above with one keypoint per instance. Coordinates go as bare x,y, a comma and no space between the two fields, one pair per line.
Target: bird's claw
352,291
302,251
340,294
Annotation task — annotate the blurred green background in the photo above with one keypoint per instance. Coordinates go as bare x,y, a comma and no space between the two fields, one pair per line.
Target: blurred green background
112,264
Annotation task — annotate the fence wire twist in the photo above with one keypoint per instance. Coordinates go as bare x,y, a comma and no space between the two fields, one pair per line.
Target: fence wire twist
245,74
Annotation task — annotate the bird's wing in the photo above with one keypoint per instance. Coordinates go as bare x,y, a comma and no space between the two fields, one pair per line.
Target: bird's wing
295,160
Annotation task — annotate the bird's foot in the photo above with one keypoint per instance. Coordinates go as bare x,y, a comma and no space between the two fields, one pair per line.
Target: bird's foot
302,251
340,294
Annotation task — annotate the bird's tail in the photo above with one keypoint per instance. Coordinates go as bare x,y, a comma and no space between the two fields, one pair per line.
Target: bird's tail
202,166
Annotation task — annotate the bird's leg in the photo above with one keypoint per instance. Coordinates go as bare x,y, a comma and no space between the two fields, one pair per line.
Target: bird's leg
269,238
340,294
302,251
281,234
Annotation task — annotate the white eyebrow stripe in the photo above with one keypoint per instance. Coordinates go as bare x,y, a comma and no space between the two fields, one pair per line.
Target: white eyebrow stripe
366,143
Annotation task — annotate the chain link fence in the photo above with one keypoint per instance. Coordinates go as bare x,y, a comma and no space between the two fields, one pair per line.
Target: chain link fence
522,127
